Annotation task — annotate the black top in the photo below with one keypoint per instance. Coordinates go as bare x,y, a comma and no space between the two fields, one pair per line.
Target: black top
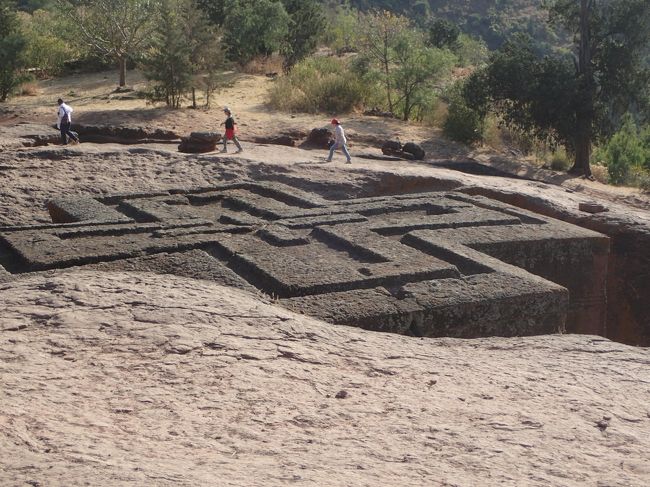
230,123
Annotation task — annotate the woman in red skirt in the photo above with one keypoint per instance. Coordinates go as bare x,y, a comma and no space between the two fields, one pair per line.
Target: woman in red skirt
230,131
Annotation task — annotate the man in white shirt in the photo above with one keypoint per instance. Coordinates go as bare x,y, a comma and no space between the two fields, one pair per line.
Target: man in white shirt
64,122
339,142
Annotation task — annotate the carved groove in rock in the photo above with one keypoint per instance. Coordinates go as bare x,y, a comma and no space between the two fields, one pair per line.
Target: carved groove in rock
430,264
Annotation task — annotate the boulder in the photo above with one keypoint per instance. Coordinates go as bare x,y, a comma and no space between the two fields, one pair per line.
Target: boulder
392,148
199,142
409,151
318,139
205,137
415,150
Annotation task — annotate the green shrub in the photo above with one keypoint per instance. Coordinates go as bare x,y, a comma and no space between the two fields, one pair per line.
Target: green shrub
470,51
46,51
625,153
463,123
639,177
319,84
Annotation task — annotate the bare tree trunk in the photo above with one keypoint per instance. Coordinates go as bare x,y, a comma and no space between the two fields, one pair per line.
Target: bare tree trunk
407,108
193,97
386,62
122,66
582,142
585,115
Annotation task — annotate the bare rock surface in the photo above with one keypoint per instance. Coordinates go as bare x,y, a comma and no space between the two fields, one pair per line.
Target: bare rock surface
119,378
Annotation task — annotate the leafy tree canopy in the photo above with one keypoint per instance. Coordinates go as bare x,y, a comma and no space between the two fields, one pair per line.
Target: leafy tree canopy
572,101
254,27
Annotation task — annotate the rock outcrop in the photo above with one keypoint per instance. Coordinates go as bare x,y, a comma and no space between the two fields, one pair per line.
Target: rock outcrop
199,142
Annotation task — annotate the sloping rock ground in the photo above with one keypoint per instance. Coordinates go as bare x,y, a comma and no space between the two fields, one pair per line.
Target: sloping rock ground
117,378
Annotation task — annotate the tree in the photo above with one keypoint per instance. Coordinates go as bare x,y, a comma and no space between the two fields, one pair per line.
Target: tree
341,33
46,51
185,54
571,101
535,96
417,69
253,27
306,25
118,29
168,62
443,33
215,9
610,40
12,49
380,32
206,53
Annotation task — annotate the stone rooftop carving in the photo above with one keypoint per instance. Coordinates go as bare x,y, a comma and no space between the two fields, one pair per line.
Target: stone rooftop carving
431,264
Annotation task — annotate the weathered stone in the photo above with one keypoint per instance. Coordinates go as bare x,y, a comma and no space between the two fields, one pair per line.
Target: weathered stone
123,134
592,207
434,264
318,139
207,137
409,151
392,148
190,147
277,140
414,149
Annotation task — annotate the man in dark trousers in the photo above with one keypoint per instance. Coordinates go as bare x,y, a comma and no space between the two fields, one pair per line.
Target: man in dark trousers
64,122
230,131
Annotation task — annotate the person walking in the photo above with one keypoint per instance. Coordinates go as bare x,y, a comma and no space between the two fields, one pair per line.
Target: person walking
230,131
64,122
340,141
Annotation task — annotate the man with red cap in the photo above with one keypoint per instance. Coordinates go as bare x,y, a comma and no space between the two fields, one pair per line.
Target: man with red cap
339,142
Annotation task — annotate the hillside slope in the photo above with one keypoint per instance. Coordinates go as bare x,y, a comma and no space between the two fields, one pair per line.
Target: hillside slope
492,20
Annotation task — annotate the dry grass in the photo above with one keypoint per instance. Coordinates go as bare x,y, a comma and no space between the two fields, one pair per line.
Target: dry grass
264,65
29,89
492,134
600,173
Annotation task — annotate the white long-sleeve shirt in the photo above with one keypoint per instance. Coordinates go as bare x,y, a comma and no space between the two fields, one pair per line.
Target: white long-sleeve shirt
339,135
63,110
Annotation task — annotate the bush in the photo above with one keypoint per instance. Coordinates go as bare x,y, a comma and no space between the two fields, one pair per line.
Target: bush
46,52
463,124
470,51
626,153
319,84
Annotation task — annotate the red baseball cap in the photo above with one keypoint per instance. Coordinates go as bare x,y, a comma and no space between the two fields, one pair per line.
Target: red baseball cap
334,121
